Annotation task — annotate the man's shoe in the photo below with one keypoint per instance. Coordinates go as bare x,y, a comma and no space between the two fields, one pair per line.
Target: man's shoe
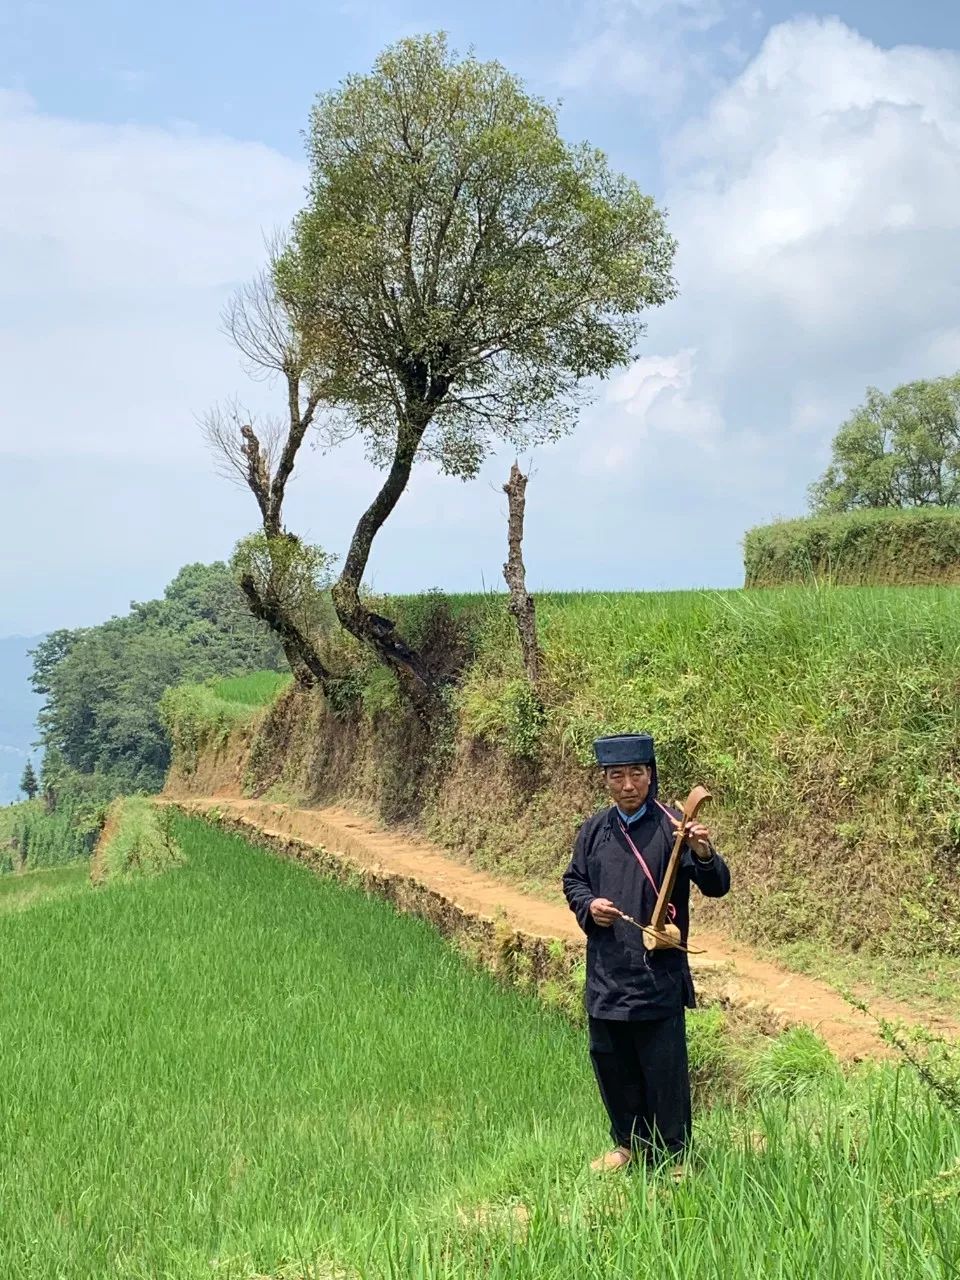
618,1158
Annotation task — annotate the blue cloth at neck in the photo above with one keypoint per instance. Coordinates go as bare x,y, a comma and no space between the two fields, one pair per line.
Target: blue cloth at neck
630,818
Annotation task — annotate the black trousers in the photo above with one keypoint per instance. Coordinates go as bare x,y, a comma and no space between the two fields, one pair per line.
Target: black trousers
641,1068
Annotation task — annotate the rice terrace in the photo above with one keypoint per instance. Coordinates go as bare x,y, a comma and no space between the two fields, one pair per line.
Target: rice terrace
355,929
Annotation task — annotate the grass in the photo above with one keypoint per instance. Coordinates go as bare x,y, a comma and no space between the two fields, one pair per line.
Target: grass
137,840
907,546
825,721
795,1063
199,717
930,984
257,689
36,888
761,690
242,1070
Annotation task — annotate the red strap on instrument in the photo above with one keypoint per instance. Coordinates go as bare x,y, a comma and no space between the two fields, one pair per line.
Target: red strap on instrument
671,909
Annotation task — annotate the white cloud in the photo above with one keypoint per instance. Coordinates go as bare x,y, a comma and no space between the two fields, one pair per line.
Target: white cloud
817,204
817,207
131,208
653,50
118,244
650,402
823,133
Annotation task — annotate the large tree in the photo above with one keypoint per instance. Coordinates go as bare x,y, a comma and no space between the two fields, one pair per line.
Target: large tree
467,269
896,450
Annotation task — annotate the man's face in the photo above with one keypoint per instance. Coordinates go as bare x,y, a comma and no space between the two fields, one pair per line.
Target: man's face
628,785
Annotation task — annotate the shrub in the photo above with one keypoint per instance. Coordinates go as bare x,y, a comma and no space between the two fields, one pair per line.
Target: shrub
883,546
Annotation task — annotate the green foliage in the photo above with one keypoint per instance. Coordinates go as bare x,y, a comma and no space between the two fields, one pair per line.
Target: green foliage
55,829
710,1051
759,692
288,1098
859,548
445,636
380,693
103,684
37,888
256,689
28,782
196,717
509,715
932,1058
461,267
137,841
292,573
898,450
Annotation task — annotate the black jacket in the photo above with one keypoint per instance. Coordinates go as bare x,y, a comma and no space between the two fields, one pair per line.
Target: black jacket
625,982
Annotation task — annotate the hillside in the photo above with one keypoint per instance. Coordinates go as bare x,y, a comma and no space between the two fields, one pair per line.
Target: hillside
825,722
18,712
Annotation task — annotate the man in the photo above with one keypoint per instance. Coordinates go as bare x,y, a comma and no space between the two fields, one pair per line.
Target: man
636,998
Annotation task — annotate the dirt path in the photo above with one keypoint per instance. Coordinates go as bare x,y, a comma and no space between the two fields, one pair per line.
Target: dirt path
727,971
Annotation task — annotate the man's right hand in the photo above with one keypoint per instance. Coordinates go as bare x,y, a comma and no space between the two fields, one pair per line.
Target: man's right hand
604,912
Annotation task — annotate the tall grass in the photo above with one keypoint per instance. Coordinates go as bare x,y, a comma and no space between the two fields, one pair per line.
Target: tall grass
137,839
32,835
760,685
33,888
826,722
242,1070
888,545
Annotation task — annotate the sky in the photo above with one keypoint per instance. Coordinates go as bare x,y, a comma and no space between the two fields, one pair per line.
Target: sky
808,160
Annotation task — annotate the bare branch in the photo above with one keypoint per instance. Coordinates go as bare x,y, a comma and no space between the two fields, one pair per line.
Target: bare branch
222,428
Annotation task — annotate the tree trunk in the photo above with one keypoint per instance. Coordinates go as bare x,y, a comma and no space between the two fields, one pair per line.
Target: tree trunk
521,602
305,663
368,627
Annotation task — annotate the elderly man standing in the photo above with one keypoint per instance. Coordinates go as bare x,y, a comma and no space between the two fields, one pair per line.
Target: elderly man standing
636,998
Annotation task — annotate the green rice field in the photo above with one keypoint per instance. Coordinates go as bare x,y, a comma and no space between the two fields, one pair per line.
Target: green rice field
238,1069
253,690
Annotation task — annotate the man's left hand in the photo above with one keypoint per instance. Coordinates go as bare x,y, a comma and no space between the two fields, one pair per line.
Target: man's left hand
698,839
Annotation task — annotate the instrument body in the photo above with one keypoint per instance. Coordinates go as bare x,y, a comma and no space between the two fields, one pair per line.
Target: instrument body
660,934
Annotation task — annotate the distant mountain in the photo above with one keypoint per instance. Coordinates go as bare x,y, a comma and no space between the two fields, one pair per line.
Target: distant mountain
18,713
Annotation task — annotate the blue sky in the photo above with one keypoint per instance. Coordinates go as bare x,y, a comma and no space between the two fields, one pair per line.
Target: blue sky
809,160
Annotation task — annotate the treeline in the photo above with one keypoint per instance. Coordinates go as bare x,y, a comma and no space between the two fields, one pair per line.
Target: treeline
100,725
102,684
